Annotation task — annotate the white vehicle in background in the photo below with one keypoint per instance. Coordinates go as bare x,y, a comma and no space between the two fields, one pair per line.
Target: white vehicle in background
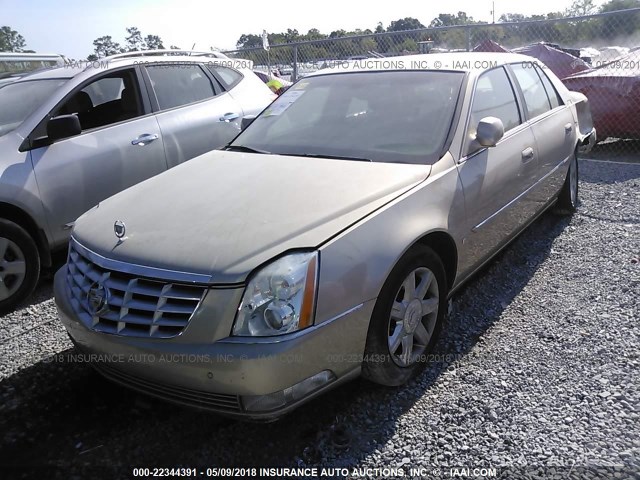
27,62
609,54
14,65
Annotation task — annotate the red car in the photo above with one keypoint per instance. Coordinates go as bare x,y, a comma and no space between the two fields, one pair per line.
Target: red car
614,94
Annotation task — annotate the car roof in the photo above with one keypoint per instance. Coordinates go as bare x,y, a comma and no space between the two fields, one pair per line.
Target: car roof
49,73
75,68
473,62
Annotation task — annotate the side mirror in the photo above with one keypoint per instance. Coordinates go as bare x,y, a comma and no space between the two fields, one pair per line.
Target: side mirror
246,121
63,126
489,132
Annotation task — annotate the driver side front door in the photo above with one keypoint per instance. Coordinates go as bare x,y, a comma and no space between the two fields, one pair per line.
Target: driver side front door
120,145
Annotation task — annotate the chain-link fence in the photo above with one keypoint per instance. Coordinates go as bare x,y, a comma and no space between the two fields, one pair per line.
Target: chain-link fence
598,55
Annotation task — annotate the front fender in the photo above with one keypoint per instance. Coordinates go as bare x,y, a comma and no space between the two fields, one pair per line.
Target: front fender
355,264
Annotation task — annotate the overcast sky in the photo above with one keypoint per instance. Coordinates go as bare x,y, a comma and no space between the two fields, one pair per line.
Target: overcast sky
69,27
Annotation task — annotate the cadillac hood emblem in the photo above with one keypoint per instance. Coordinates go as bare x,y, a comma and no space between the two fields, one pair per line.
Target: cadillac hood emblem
120,229
98,299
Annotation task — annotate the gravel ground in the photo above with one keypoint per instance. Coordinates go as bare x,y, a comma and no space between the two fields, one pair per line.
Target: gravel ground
537,374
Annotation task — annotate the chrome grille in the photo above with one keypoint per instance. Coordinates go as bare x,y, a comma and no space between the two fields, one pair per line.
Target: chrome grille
136,306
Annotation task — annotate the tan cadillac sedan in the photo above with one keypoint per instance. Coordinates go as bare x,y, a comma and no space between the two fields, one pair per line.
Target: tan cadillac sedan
325,241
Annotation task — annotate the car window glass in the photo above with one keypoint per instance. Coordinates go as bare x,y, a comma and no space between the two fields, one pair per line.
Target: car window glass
494,97
387,116
105,90
21,99
229,76
312,105
176,85
110,99
534,93
552,93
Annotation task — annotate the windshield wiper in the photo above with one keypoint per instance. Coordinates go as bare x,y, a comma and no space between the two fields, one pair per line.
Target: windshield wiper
331,157
243,148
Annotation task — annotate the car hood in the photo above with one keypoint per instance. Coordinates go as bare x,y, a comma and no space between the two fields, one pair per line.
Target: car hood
224,213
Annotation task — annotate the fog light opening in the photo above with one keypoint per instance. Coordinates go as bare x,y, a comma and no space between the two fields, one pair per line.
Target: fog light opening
271,401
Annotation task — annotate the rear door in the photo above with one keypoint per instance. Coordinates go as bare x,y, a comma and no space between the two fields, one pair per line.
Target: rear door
120,145
496,179
247,89
194,112
553,126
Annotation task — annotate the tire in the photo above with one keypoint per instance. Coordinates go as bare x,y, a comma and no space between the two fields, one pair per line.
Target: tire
387,359
568,198
19,265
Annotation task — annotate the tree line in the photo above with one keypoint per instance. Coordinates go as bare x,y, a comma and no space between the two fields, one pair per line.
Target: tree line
134,41
12,41
404,41
386,41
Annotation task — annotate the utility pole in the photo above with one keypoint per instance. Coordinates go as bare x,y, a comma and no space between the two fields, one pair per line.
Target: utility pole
493,11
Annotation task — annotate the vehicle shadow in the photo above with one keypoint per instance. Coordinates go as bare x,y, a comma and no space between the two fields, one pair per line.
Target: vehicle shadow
606,173
618,150
60,413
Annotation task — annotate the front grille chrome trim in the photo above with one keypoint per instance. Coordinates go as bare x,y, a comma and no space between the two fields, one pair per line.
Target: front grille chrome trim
135,306
140,270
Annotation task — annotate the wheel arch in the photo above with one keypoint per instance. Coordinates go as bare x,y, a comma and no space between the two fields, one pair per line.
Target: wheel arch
23,219
443,244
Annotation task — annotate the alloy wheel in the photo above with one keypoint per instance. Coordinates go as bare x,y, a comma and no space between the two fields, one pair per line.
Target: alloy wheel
13,268
413,317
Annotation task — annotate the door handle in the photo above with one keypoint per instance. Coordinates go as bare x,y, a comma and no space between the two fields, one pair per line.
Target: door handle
527,154
145,139
568,127
229,117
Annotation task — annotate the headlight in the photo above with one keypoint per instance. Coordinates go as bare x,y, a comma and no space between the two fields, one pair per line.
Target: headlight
279,298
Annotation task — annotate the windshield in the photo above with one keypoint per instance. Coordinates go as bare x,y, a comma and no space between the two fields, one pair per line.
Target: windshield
389,116
18,100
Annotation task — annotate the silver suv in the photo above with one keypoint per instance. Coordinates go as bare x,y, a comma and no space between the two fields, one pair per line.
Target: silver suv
72,136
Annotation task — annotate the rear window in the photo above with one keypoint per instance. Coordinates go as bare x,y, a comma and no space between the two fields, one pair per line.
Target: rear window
535,96
552,93
228,76
180,84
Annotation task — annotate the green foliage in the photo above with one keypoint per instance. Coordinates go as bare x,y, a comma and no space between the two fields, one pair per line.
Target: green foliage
581,7
105,46
153,42
403,35
407,23
134,41
449,20
11,41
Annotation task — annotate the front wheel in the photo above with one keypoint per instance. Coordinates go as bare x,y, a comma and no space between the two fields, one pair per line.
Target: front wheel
19,265
568,198
406,319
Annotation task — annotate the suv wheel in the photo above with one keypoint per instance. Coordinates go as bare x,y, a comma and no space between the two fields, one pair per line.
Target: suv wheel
19,265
